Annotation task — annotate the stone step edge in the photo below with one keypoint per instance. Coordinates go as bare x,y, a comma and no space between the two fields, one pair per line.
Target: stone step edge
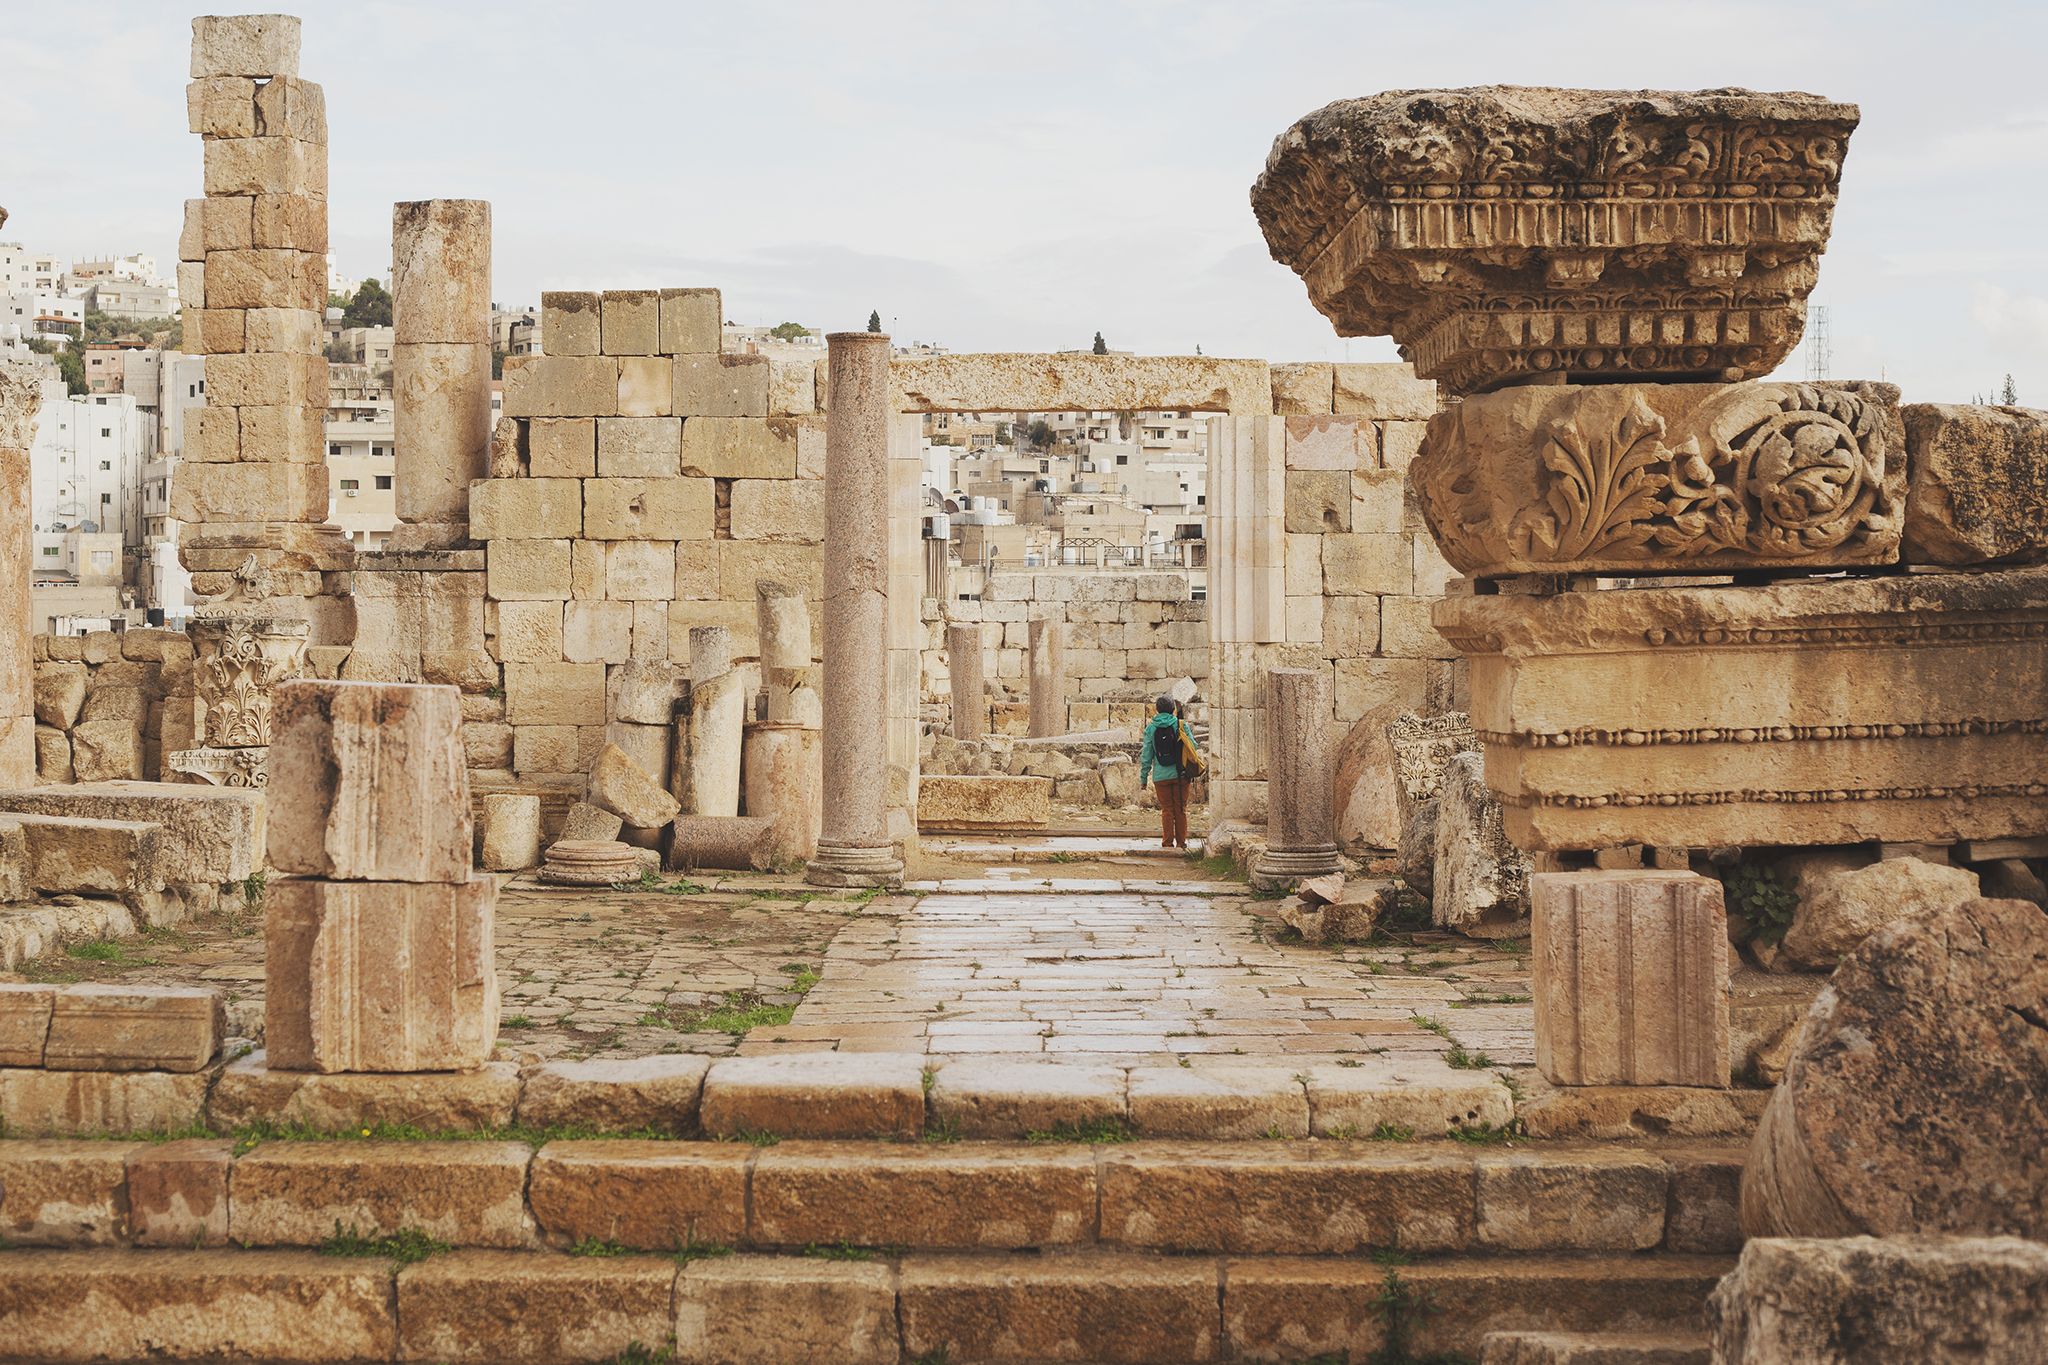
624,1194
511,1307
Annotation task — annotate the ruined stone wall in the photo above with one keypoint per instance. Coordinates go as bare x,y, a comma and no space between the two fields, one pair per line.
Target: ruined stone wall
109,705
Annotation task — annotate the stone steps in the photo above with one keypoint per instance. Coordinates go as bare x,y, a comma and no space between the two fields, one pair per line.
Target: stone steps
512,1307
1595,1348
1215,1198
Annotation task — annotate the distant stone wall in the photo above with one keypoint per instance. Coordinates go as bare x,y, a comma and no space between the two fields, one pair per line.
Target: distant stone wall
110,704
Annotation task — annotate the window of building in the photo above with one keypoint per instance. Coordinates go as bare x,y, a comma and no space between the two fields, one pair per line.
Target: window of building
103,559
106,431
383,481
106,499
51,551
334,447
350,485
106,464
1123,459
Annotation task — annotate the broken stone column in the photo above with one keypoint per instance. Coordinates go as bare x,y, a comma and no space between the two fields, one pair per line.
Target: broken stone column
1630,978
780,763
440,365
1917,1090
854,848
718,717
1048,678
378,957
970,698
738,843
20,396
1421,747
1481,884
788,676
511,832
710,652
1301,838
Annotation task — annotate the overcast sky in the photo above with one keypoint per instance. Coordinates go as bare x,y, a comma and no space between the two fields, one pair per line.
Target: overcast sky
1015,176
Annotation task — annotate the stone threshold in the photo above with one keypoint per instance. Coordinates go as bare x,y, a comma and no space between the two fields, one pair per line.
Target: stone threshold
510,1308
1072,886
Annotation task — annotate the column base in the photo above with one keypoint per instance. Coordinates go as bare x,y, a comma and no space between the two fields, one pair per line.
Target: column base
1277,869
853,865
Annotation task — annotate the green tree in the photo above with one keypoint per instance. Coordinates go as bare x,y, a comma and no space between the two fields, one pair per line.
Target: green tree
70,362
875,321
371,307
2008,395
1101,346
1039,434
790,331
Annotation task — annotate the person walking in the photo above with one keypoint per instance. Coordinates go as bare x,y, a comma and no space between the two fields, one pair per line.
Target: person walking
1163,760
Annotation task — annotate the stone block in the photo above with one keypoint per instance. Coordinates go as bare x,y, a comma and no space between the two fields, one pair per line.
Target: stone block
1480,884
1318,501
1060,1308
212,835
62,1193
37,1103
779,1310
133,1028
691,321
1002,1197
527,570
1423,1094
241,381
178,1193
441,271
1841,906
778,509
989,1097
528,632
24,1022
720,386
1330,443
59,693
736,842
263,277
484,1307
649,509
511,832
1582,1201
561,385
63,854
645,386
618,785
291,222
630,322
1368,564
622,1095
792,388
644,692
215,106
1384,392
434,1102
380,976
639,447
1979,484
526,509
250,492
1302,388
822,1095
259,45
562,448
255,166
569,323
554,694
1218,1102
983,803
465,1193
590,824
597,632
739,447
1400,443
276,431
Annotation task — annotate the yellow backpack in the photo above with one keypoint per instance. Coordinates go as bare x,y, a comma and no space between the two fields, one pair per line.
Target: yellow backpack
1190,760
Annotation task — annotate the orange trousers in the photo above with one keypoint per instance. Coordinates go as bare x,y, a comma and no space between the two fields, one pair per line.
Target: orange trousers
1173,811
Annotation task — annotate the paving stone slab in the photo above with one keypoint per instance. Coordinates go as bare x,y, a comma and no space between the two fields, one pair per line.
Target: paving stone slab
821,1095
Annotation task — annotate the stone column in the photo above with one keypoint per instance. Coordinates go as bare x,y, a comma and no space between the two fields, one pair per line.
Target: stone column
20,396
1048,678
854,847
970,696
1301,838
440,364
787,675
718,716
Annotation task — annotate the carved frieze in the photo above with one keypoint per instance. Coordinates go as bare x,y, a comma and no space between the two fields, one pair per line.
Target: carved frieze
1422,745
237,662
1630,479
1502,233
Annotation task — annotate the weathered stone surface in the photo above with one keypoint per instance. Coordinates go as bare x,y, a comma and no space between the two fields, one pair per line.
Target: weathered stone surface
66,854
1916,1088
777,1310
1059,1308
586,822
380,976
1041,383
989,1097
656,1196
590,862
1481,884
24,1022
983,803
1810,1301
93,1103
1423,1094
619,1095
1366,812
1635,1111
511,832
719,707
822,1095
134,1028
464,1193
249,1090
781,782
738,842
198,1305
1217,1102
1630,977
618,785
1506,231
1677,478
107,750
1839,906
441,271
1979,484
941,1197
1593,1348
62,1193
487,1307
60,693
1585,1201
1896,719
1350,918
368,782
1300,829
178,1193
260,45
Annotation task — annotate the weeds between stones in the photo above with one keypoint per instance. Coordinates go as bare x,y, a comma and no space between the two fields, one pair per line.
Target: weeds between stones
407,1246
1091,1131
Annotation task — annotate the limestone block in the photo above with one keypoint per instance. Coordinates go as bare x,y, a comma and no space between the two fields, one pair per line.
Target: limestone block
254,380
1368,815
1330,443
983,803
588,823
489,1306
554,694
630,322
618,785
212,835
1039,383
718,711
211,331
646,745
1979,490
282,330
291,222
1422,1093
134,1028
525,570
249,492
69,855
597,632
739,447
276,431
1893,721
1630,978
649,509
526,509
1350,625
289,107
547,749
561,385
368,782
1352,916
380,976
1302,388
1384,392
1318,501
441,271
262,165
216,106
59,693
117,703
24,1022
645,386
260,45
569,323
1888,1298
639,447
645,692
528,632
1379,501
107,750
792,388
782,780
778,509
737,842
511,832
691,321
816,1095
264,277
1768,476
720,386
1914,1090
486,744
1840,906
1480,886
1400,443
178,1193
562,447
1368,564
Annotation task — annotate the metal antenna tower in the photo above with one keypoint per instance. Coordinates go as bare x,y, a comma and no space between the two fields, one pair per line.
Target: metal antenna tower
1817,348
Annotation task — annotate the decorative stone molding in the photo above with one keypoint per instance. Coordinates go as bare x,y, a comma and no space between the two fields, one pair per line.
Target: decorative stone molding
1682,478
1503,232
223,767
1423,744
243,645
1911,708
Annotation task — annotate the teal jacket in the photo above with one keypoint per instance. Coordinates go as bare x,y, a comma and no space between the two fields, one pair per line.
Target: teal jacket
1160,755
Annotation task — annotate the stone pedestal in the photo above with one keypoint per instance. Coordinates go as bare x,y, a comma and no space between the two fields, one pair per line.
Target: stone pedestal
970,696
20,396
1630,978
1301,838
854,848
780,761
1048,678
